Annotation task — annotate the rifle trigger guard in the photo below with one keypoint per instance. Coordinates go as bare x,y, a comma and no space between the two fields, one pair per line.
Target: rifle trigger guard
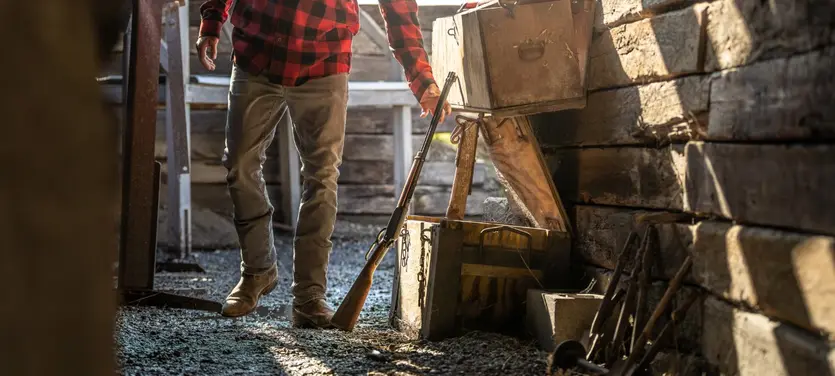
376,242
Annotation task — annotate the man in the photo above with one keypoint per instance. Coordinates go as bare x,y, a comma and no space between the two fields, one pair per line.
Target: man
295,55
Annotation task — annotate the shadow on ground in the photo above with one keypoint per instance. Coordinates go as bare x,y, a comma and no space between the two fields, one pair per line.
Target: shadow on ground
162,341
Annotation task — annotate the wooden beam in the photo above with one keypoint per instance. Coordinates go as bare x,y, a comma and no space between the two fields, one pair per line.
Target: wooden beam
214,91
177,139
464,170
138,232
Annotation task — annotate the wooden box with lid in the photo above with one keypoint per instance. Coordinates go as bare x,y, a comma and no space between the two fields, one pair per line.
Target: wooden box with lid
516,59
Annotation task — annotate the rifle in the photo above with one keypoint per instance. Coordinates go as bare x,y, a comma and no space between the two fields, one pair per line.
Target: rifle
348,312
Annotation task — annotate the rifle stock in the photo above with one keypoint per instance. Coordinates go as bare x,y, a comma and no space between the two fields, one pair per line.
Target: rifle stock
348,312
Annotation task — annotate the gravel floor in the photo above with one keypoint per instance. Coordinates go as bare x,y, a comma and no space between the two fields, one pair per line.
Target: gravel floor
155,341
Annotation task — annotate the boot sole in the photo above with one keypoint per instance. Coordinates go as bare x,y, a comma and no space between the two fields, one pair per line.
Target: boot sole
264,293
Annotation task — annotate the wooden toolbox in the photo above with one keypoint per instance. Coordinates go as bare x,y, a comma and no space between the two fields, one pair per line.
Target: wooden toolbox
455,275
519,59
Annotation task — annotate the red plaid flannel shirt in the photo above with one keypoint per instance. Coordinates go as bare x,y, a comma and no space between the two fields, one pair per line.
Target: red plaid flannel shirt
292,41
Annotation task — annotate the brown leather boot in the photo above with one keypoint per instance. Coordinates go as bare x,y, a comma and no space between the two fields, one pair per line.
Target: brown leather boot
312,314
244,297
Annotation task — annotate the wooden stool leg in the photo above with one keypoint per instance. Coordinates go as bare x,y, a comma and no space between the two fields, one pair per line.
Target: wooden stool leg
464,166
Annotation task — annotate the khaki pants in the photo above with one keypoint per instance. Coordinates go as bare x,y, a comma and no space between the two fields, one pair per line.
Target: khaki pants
318,111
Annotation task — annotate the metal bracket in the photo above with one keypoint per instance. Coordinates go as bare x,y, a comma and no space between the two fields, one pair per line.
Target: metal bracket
509,6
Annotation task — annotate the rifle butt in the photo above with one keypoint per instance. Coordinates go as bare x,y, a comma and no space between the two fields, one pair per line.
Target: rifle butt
348,312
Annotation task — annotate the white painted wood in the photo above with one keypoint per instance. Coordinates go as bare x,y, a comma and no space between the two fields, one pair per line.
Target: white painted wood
290,171
163,55
403,155
362,94
177,131
214,90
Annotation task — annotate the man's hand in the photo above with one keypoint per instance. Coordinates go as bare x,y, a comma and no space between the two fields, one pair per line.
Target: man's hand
430,101
207,51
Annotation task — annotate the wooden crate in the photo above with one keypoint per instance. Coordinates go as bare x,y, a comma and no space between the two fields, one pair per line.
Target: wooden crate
454,276
531,62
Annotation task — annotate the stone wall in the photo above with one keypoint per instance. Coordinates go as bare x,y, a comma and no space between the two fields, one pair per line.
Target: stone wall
724,110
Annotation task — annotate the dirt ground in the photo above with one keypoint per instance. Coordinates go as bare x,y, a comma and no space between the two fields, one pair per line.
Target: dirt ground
154,341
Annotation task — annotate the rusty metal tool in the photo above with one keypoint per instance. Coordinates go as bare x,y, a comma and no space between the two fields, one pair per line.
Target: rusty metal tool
629,303
568,356
675,284
666,332
651,243
607,305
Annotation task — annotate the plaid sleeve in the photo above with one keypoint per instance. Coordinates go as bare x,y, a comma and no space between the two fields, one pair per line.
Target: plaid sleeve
406,42
213,14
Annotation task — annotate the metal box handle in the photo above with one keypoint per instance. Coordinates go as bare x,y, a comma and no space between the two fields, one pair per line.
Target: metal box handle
517,231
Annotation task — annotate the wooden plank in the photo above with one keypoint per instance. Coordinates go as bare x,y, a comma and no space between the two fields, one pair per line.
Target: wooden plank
178,154
748,344
381,172
360,120
623,176
362,94
410,287
445,270
202,121
380,147
601,232
743,31
512,144
618,12
380,199
351,172
757,184
492,271
380,120
751,184
781,99
648,50
464,170
785,275
650,114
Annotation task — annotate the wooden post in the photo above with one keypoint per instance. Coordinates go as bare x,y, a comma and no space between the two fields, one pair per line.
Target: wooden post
178,158
290,171
464,165
403,155
138,235
439,313
59,195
